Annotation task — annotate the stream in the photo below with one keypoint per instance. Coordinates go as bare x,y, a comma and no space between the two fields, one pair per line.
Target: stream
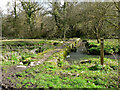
81,54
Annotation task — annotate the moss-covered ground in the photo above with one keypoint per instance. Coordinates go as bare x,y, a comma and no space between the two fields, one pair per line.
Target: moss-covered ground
87,75
62,74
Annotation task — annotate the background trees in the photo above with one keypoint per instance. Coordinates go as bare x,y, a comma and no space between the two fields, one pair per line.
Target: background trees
31,8
97,22
61,20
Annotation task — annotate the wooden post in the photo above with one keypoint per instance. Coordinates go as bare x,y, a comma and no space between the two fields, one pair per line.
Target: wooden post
102,51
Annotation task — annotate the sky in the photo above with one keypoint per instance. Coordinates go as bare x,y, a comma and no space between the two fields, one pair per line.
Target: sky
3,3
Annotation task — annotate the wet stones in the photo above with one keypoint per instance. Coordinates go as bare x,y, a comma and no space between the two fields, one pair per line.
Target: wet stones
85,61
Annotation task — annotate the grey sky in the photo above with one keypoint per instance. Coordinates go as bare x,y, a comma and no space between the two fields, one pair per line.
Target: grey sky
3,3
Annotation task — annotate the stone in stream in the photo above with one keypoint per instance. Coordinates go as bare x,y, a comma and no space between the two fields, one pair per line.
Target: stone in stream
85,61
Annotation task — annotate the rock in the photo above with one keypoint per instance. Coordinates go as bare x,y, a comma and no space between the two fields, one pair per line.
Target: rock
82,71
91,65
85,61
21,63
21,66
32,64
38,62
67,56
61,42
77,75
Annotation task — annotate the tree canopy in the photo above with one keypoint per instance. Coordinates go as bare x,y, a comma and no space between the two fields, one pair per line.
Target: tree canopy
61,20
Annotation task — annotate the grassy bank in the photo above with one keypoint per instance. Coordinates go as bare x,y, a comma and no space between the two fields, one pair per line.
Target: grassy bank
62,74
87,75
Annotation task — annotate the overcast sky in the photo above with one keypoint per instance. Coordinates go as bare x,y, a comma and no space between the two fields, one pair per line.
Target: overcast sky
3,5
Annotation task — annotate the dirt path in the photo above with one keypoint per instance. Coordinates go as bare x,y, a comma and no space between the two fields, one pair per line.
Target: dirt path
14,69
9,71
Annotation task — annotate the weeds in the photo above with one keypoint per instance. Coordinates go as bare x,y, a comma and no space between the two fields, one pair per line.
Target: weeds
65,75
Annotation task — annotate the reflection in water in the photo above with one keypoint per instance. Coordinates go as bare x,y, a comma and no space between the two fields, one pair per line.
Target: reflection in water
81,54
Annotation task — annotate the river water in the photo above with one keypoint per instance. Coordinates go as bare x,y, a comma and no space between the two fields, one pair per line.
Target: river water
81,54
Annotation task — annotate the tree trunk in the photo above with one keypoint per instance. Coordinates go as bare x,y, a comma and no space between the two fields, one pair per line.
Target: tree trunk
98,40
97,37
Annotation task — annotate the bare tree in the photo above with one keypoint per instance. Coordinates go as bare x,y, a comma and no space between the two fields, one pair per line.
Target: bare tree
30,9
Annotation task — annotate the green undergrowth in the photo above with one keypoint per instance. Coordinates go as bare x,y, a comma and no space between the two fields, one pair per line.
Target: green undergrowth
60,56
111,46
62,74
87,75
14,52
30,43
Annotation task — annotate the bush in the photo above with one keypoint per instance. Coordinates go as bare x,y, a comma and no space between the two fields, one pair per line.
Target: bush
94,49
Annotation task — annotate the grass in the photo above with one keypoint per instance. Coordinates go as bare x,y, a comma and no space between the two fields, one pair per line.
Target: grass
110,46
15,51
88,75
75,75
